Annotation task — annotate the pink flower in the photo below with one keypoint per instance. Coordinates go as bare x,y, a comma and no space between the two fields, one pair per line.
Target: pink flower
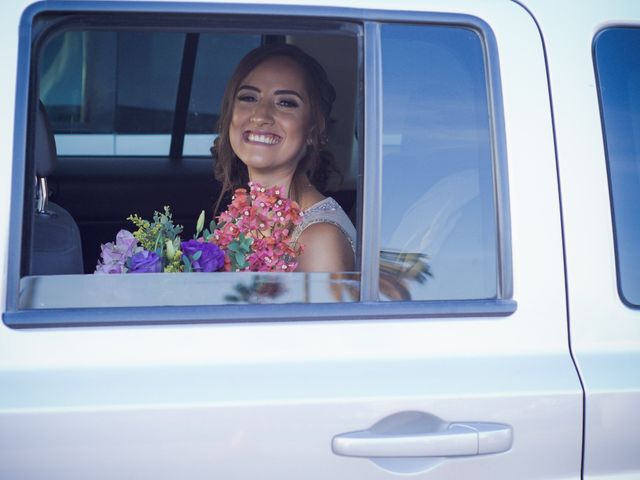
259,223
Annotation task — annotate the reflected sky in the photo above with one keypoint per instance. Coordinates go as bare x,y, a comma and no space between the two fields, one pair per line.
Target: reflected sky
438,194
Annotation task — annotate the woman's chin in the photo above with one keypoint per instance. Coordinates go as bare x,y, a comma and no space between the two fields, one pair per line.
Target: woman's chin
270,164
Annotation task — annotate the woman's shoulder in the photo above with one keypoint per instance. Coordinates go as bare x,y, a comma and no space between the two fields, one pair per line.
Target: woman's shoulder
326,248
329,212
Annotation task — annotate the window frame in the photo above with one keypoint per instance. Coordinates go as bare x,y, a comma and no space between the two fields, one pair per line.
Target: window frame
369,120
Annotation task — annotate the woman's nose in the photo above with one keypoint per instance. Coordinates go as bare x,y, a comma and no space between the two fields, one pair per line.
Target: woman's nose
261,114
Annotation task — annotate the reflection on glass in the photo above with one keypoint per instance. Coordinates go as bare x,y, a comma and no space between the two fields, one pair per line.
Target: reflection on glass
399,270
258,289
185,289
617,54
438,207
345,286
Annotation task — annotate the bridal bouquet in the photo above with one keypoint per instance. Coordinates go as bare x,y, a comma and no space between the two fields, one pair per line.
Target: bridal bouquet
253,234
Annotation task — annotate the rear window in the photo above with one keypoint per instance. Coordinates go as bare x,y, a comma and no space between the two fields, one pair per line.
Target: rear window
617,58
115,93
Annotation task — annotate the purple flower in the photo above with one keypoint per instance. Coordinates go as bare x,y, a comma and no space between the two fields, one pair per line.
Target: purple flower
210,258
145,262
115,255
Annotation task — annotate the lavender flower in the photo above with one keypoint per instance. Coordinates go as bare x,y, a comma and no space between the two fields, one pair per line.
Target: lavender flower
203,256
145,262
115,255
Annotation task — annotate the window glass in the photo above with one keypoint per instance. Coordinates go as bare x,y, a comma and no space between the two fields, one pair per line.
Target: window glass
111,93
114,93
617,55
217,55
439,234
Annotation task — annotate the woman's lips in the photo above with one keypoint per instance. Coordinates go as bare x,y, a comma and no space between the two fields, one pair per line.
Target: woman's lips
262,138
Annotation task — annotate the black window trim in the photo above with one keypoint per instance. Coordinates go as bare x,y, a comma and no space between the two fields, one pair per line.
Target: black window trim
183,95
368,308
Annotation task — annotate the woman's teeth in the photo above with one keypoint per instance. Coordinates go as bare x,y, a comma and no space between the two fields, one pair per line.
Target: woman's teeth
267,139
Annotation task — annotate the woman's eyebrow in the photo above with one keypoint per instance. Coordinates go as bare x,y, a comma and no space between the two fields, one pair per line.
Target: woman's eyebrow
289,92
277,92
248,87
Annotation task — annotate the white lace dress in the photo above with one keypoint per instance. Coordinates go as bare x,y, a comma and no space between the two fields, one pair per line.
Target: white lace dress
327,211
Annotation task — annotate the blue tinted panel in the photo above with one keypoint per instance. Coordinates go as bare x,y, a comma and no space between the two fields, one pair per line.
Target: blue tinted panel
111,82
617,53
148,72
114,93
78,81
439,235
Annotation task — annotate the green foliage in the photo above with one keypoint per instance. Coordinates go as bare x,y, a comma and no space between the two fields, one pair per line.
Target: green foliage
160,236
238,250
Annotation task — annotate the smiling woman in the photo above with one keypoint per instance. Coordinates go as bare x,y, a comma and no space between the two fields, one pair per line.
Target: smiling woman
275,112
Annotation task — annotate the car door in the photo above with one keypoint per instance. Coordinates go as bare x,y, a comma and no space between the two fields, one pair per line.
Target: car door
461,370
594,76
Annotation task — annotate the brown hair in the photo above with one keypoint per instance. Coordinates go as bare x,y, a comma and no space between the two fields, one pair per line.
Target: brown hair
228,168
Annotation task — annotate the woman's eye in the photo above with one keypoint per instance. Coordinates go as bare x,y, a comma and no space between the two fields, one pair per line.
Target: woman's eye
246,98
288,103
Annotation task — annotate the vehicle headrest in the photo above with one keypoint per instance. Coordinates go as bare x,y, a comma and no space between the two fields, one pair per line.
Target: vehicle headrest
45,144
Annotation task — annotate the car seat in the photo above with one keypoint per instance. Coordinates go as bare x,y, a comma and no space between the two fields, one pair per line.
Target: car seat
56,247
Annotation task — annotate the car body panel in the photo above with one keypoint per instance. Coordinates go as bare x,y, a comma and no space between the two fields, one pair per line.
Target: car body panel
605,333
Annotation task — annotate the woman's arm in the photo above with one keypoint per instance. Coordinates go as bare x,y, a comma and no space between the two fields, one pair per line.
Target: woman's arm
326,249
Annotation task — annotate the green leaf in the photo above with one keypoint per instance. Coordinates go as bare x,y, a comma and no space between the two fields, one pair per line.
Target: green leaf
197,255
239,256
212,225
187,264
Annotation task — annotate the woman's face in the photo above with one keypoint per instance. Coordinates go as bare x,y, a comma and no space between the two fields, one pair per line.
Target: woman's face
270,120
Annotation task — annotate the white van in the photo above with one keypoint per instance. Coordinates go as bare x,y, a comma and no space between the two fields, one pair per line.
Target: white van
489,156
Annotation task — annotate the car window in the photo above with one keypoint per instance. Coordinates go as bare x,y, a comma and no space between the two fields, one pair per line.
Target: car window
439,233
617,58
134,113
114,94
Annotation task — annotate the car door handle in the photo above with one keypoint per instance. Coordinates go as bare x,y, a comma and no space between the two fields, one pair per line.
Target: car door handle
473,438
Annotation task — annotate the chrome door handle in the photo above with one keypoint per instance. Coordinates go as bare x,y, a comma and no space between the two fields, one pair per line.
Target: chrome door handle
473,438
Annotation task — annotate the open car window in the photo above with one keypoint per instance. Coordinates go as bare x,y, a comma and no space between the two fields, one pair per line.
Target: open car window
133,104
